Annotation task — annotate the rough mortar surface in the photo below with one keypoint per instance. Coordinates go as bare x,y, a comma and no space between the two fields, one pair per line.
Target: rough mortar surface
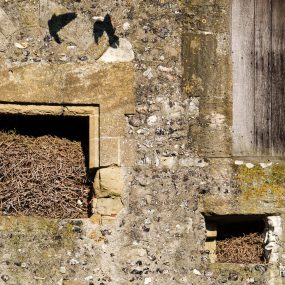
173,141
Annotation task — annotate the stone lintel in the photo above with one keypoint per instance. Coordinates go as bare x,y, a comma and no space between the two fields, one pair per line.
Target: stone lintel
219,205
107,85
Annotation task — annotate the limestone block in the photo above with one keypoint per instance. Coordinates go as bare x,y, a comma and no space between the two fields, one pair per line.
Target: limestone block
111,86
108,220
124,52
7,27
31,109
112,125
33,83
127,152
109,151
109,182
49,8
108,206
96,219
3,42
79,31
108,85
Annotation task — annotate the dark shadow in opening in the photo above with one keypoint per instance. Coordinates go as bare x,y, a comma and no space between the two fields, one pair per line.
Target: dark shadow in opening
237,225
56,23
240,238
239,229
106,26
74,128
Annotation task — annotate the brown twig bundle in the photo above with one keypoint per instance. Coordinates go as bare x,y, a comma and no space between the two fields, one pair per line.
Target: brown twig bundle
243,249
42,176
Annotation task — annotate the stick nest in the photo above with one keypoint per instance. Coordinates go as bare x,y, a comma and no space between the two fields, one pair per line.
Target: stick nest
42,176
242,249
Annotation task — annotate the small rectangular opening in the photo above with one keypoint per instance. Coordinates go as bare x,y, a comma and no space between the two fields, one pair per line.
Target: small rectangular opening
44,166
236,239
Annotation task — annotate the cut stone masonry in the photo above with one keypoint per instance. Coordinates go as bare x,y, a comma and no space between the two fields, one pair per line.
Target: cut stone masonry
170,162
85,90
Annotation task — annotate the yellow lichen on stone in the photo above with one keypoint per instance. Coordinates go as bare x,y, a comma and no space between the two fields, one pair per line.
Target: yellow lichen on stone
262,183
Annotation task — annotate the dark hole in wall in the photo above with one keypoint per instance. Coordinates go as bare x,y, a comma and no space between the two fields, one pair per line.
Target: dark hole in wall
239,229
62,133
239,238
70,127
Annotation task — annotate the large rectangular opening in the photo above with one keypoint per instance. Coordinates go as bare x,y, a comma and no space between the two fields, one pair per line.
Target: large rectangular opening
236,238
47,163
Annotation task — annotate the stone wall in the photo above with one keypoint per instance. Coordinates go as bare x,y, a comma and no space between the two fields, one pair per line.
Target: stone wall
174,149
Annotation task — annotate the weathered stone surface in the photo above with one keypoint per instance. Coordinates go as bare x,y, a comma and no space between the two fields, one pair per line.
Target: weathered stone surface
3,42
7,27
108,220
110,151
97,236
96,219
108,206
26,13
205,78
73,282
52,237
168,162
206,16
109,85
112,125
127,152
161,235
258,189
95,51
33,83
49,8
109,182
124,52
226,273
79,31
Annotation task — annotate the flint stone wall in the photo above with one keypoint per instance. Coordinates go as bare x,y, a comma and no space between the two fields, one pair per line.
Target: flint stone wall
166,120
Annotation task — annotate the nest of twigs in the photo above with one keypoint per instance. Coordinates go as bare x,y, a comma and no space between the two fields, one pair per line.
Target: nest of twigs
42,176
243,249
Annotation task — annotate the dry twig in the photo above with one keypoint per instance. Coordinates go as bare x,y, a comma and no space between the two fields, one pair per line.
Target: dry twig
42,176
243,249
